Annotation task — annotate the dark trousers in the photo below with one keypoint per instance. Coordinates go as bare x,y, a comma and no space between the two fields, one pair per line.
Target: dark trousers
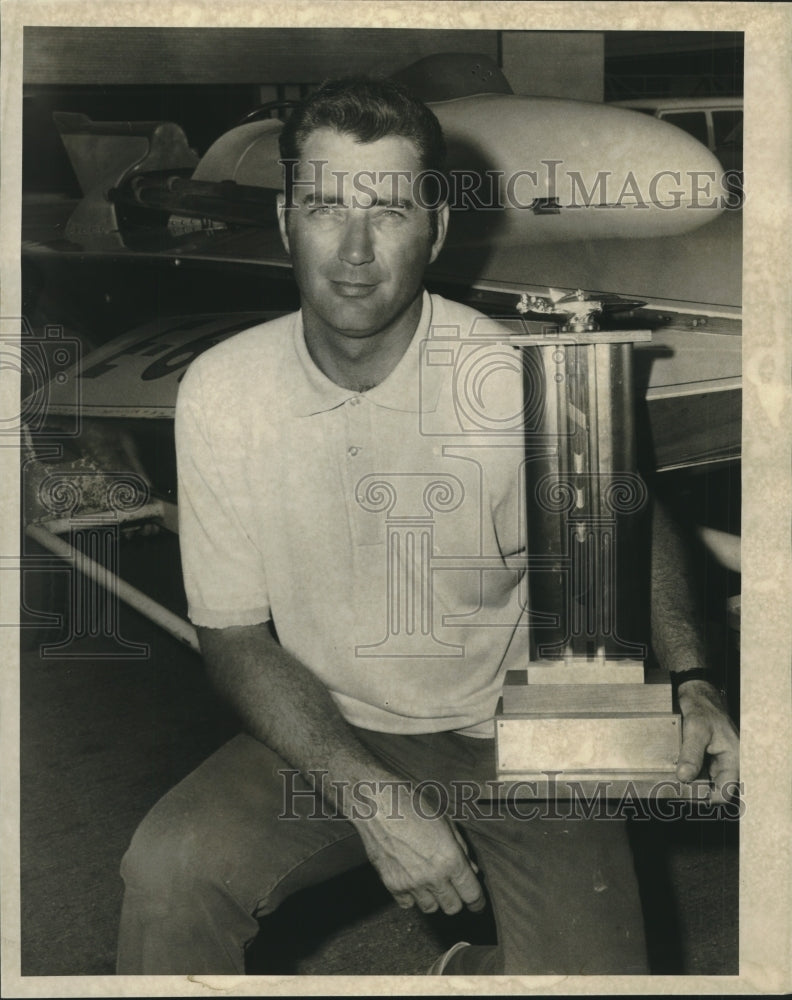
218,851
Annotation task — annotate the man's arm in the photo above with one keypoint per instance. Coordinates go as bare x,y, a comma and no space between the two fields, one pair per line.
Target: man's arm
678,641
284,705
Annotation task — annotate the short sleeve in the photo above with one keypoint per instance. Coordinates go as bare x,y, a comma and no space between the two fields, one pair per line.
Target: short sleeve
224,576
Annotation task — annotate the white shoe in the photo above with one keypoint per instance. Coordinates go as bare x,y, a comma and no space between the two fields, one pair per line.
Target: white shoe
439,966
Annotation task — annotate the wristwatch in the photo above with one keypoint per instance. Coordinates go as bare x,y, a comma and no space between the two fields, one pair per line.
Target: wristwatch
680,676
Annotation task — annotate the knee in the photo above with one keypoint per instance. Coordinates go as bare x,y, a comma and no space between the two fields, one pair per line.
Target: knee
171,851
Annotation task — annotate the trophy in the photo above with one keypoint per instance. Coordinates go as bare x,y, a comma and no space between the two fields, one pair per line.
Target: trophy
586,714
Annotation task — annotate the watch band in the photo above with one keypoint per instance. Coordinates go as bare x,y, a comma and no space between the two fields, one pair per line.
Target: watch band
680,676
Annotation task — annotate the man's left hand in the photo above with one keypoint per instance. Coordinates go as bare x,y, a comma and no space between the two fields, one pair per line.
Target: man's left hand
708,730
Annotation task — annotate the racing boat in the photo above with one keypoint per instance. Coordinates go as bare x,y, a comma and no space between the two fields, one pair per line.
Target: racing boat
168,253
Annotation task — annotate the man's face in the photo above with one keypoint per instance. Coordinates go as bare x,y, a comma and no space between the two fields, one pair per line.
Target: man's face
358,241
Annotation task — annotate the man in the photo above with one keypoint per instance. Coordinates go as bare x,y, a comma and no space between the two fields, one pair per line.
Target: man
309,517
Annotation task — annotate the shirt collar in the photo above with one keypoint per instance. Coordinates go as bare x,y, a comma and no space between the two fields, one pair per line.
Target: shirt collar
411,387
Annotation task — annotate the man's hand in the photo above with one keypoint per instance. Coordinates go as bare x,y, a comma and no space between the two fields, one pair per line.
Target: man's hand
423,861
418,853
707,729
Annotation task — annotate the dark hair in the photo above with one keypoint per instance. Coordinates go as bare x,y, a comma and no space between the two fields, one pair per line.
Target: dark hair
368,110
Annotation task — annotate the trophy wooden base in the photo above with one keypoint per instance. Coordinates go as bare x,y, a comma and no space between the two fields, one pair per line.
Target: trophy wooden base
582,727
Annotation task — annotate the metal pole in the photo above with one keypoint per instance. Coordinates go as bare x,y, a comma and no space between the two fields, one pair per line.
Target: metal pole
173,624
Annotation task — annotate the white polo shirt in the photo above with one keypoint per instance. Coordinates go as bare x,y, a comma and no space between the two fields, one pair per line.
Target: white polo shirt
374,529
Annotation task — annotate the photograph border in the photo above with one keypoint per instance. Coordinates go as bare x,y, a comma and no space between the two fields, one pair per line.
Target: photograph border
766,622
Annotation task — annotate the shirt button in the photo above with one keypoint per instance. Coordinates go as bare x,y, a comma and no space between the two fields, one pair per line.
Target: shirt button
355,401
352,451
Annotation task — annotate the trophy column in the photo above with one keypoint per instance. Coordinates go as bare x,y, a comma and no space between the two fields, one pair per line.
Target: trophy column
585,714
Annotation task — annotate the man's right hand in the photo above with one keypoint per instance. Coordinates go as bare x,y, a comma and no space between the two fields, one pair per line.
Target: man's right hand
419,855
422,861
